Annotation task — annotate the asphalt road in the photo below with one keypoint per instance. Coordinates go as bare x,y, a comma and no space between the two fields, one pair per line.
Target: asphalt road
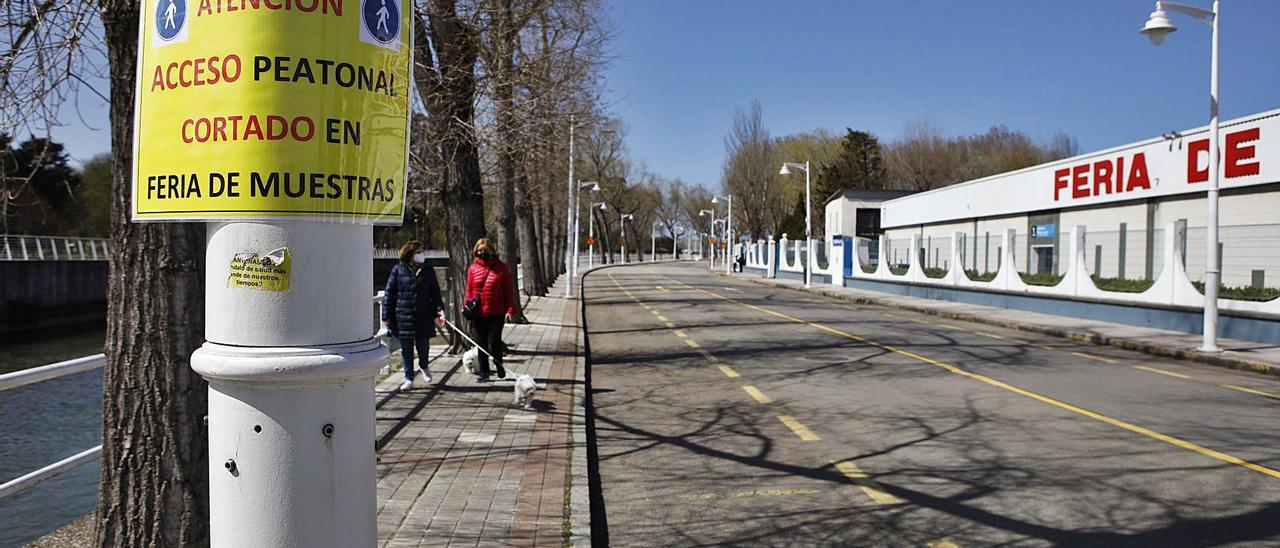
729,413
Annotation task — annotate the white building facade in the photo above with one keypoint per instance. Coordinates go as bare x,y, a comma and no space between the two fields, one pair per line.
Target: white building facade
1126,198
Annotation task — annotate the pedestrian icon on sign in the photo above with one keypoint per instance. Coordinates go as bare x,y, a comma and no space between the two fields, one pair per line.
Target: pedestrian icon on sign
381,19
171,17
168,15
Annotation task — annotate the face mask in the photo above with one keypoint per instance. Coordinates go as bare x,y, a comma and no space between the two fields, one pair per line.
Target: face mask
484,255
420,257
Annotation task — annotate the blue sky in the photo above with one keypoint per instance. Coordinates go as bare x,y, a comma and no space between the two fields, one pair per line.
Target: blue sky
1079,66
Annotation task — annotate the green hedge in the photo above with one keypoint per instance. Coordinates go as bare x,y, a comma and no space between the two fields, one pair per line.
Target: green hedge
869,268
1122,285
1243,293
935,272
1041,279
897,270
980,276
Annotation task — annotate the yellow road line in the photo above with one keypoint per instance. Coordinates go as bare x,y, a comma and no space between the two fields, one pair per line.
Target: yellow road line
709,356
1224,457
655,313
801,430
662,318
860,478
949,326
692,343
757,394
1162,372
1092,357
728,371
679,333
941,543
670,325
1251,391
988,335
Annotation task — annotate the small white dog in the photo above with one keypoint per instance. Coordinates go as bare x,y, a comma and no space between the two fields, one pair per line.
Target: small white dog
524,389
471,360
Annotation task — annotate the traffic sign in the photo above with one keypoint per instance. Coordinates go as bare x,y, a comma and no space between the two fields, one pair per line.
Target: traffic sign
288,110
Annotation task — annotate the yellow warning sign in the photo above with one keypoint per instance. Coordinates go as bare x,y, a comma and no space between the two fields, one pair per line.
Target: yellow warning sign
268,272
250,109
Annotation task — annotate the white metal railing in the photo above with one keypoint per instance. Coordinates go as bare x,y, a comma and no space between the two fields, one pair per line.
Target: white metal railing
52,248
390,253
9,381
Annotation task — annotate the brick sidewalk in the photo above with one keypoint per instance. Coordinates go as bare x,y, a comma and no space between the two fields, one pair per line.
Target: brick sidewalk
459,466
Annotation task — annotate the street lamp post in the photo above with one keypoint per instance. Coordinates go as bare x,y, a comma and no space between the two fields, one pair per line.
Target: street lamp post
653,242
591,234
728,232
712,234
622,234
1157,27
808,230
689,246
594,187
571,254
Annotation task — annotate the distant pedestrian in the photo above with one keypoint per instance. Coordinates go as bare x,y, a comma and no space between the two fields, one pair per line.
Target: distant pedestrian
412,301
489,280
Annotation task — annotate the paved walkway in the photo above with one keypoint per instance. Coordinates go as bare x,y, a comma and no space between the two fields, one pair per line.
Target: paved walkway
458,465
1237,354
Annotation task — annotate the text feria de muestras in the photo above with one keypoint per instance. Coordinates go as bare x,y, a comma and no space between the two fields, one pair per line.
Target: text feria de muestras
272,109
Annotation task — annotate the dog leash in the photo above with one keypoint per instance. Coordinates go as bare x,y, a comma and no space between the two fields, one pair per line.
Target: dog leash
478,347
469,339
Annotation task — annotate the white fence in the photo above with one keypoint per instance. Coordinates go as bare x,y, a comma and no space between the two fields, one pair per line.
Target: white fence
52,248
9,381
1072,274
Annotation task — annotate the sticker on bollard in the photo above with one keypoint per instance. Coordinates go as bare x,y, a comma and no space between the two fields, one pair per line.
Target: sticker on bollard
268,272
272,111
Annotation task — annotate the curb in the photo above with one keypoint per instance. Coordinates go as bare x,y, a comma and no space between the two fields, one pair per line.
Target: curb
579,515
1219,360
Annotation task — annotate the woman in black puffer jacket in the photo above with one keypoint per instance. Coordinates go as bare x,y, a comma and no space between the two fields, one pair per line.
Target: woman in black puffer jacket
412,301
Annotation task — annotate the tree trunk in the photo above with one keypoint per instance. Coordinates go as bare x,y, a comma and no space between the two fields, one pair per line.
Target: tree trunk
535,282
504,101
153,481
448,87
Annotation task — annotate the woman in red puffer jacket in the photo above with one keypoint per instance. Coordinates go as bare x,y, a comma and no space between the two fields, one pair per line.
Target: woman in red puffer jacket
490,279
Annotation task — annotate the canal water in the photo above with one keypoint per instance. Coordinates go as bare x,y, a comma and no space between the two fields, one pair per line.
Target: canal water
46,422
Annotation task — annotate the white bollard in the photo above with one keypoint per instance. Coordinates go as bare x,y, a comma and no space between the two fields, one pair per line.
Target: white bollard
291,408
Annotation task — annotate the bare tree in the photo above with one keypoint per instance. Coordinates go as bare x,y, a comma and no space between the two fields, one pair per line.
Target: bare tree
667,211
446,52
750,173
154,487
48,52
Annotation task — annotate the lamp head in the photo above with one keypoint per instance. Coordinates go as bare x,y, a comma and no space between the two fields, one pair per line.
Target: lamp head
715,199
595,187
785,170
628,216
1158,26
704,213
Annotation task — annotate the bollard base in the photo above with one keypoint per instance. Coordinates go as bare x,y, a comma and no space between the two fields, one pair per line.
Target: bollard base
291,440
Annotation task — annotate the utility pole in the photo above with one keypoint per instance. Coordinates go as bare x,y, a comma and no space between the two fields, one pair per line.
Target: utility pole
290,354
571,255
